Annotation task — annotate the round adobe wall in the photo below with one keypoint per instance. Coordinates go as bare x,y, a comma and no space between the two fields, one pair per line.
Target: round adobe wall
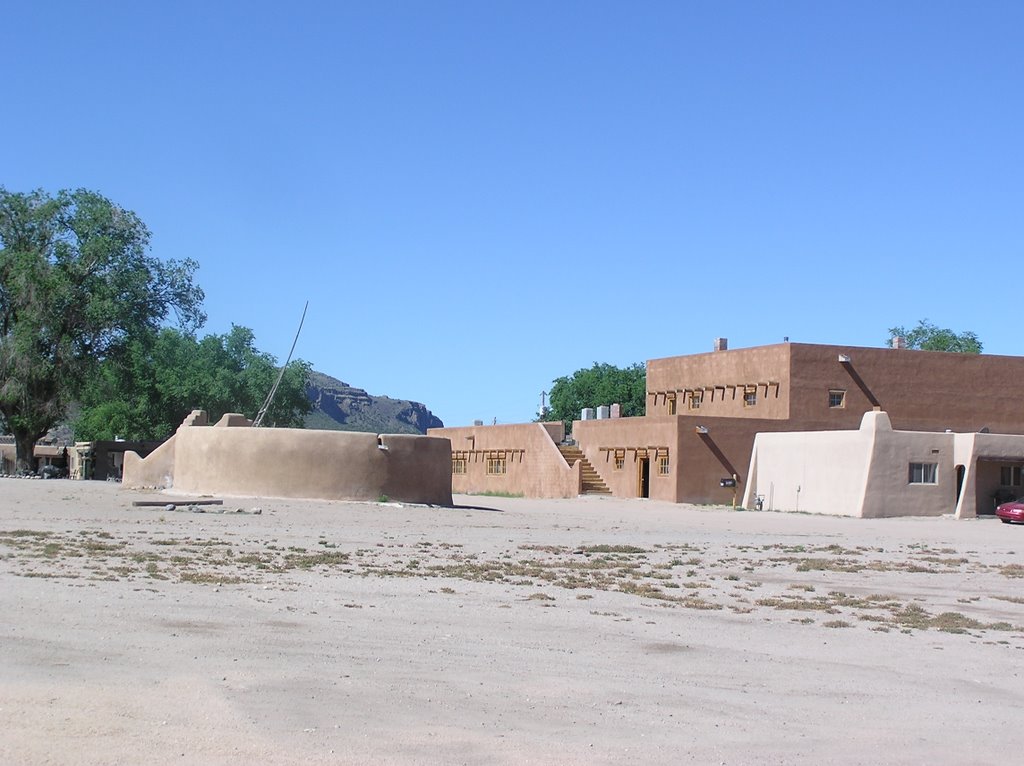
300,463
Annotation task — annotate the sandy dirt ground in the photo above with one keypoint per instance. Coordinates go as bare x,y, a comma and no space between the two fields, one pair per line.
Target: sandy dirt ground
501,631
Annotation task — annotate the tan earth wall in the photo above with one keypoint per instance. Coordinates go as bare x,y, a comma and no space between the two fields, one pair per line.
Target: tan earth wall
722,377
533,465
697,461
156,470
286,462
889,492
600,440
921,390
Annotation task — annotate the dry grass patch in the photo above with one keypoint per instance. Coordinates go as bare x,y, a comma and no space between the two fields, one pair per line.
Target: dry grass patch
1012,570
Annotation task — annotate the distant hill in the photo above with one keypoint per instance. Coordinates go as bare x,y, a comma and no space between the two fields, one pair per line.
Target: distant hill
337,406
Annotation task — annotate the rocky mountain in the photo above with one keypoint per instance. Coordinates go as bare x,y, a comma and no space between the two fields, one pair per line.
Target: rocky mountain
337,406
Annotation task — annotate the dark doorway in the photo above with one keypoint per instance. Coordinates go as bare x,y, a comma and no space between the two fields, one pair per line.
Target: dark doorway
644,477
959,481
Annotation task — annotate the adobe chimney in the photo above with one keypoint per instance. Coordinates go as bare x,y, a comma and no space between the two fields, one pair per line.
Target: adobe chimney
899,342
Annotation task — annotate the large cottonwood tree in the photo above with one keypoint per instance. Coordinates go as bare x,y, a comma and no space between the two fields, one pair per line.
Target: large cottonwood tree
150,385
596,386
76,282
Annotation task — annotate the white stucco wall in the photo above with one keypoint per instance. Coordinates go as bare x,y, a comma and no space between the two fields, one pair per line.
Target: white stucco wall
863,472
810,471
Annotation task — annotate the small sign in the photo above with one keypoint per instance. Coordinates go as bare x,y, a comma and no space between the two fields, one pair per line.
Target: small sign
727,483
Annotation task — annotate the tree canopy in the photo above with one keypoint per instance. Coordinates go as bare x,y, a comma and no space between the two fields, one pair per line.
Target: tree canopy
599,385
927,337
149,386
76,283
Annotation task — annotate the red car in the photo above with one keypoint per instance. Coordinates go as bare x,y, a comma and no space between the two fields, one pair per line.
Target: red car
1011,512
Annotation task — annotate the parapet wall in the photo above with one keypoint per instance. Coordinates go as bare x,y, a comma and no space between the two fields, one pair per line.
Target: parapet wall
292,462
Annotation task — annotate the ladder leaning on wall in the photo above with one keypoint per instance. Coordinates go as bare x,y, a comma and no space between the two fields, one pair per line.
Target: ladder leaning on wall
273,390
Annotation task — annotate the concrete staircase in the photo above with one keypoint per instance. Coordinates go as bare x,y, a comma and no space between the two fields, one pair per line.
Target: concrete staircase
593,484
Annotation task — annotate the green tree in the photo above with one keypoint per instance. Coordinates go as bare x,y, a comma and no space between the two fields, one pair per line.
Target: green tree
596,386
146,390
76,282
927,337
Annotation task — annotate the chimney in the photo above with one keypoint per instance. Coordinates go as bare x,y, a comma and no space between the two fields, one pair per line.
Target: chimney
721,344
899,341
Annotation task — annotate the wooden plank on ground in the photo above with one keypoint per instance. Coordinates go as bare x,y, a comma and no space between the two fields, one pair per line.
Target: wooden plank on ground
174,501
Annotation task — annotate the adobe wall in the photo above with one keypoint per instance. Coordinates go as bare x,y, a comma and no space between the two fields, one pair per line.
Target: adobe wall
155,470
697,461
533,465
601,440
287,462
889,491
920,390
723,377
723,450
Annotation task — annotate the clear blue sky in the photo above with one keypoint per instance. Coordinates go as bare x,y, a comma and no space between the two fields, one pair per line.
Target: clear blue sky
478,197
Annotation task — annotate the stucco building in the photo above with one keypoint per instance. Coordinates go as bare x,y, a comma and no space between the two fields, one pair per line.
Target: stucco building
704,411
876,471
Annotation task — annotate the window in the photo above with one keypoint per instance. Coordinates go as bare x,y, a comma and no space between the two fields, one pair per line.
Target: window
749,396
663,465
458,465
694,402
836,398
923,473
672,406
619,463
496,466
1009,476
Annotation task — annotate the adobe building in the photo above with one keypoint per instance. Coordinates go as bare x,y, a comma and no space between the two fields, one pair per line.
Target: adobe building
527,459
82,460
703,412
